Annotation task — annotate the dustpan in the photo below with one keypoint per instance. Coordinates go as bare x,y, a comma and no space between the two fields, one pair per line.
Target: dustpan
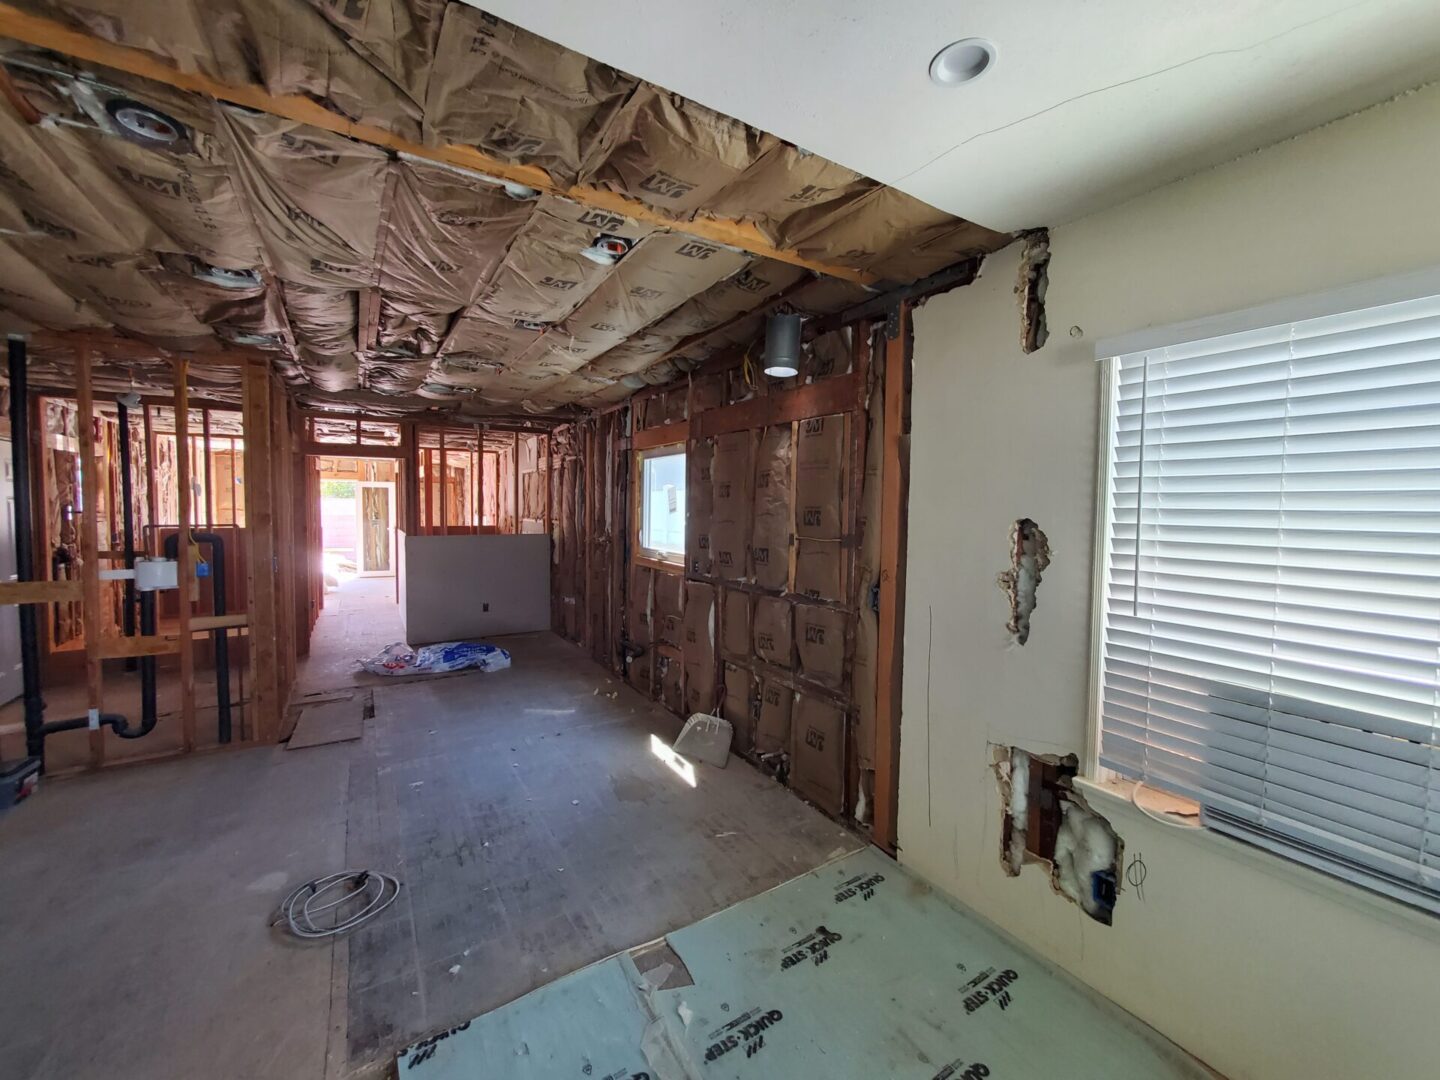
705,738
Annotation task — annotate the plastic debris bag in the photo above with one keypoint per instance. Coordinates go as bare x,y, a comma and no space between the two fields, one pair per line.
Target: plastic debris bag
401,659
705,738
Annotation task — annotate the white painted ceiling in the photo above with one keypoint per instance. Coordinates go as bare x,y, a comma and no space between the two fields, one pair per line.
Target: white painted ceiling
1089,102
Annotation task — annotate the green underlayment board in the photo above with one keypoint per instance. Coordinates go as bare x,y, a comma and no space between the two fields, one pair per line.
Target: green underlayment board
855,970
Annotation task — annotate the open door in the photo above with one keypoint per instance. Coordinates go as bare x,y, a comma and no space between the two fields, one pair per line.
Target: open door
375,511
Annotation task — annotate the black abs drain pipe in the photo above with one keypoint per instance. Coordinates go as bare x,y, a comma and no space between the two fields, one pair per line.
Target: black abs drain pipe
36,727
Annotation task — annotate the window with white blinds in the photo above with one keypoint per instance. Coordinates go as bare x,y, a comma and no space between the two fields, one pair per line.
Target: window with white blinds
1271,599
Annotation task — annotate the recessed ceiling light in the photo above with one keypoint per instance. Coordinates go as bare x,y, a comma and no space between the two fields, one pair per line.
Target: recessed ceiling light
962,62
607,250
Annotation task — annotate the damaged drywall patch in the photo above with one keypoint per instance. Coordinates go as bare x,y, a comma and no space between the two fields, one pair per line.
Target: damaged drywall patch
1044,820
1029,558
1030,286
1086,868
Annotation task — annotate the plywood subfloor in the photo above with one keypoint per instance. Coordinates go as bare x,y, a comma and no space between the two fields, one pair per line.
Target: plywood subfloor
533,829
134,919
360,618
853,971
537,831
325,722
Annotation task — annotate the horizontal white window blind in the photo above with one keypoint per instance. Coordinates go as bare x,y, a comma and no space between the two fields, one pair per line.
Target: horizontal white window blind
1272,587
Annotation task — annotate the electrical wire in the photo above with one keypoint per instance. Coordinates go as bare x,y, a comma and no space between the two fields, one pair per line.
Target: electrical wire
308,918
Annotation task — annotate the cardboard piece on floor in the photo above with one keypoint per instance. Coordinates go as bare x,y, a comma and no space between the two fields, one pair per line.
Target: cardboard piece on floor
328,722
319,697
854,970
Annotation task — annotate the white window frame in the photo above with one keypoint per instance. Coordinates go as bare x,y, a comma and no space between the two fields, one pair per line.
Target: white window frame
1396,289
649,554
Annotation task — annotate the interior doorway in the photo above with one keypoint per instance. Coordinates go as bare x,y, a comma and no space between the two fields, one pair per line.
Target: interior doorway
357,517
375,540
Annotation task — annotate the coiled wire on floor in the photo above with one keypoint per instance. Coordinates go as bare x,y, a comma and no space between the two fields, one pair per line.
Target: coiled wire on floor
314,911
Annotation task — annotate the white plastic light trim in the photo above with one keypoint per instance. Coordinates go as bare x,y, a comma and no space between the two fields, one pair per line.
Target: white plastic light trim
962,62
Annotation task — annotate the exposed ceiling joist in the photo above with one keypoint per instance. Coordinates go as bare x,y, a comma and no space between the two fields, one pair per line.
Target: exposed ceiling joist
116,347
47,34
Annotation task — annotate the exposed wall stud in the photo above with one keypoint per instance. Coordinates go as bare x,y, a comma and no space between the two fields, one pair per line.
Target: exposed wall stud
85,420
185,553
894,491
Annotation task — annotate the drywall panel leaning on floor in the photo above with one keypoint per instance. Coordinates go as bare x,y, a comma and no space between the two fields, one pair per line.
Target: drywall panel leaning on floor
458,587
1260,968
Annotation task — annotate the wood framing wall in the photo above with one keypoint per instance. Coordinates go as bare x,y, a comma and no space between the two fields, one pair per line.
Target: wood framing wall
268,630
784,615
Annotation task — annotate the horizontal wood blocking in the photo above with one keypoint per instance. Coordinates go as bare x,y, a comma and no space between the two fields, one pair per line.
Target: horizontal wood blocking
39,592
218,622
835,395
113,648
351,450
664,435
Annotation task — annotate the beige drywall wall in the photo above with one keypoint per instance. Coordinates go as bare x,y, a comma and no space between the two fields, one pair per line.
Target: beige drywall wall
1259,968
464,587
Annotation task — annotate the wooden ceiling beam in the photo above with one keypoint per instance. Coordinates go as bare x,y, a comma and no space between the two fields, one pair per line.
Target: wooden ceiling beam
114,347
164,401
367,330
48,34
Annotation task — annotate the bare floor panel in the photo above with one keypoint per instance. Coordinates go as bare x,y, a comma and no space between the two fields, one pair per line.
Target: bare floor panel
532,826
135,919
537,831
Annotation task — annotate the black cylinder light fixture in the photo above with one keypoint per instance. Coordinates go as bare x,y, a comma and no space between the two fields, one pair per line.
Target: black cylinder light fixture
782,346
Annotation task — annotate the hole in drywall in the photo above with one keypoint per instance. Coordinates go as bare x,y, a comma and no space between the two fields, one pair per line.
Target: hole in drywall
1030,786
1030,287
1044,820
1086,867
1029,557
